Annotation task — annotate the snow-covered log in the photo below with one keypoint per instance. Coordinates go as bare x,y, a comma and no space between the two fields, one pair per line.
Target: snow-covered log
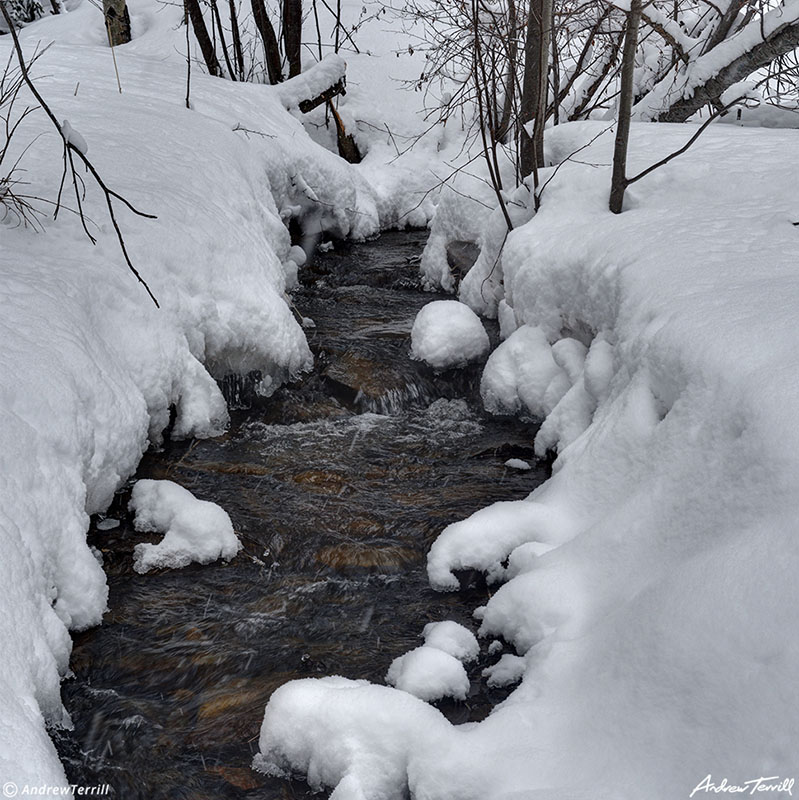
322,82
687,88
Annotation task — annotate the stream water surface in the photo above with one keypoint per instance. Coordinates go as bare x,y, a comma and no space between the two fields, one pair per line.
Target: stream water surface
337,485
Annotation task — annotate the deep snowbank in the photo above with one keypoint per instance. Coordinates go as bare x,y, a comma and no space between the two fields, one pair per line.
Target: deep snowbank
88,366
650,584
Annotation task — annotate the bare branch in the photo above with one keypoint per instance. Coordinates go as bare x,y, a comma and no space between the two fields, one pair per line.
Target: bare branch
70,150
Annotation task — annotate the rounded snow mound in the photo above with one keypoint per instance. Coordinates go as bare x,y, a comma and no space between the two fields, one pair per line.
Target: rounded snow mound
452,638
194,530
447,333
429,674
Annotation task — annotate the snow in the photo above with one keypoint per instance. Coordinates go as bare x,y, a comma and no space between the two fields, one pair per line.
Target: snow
649,585
481,288
446,334
194,530
298,255
73,137
483,540
429,673
522,375
314,80
508,670
468,211
518,463
361,738
460,217
453,638
703,67
435,670
648,588
89,367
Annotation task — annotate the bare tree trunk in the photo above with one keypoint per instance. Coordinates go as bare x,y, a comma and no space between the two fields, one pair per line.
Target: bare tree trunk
618,183
237,49
203,39
543,82
561,93
117,21
504,124
534,84
555,77
222,42
292,34
188,55
269,39
590,92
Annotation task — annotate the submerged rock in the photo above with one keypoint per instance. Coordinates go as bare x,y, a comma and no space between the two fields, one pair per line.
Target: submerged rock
355,557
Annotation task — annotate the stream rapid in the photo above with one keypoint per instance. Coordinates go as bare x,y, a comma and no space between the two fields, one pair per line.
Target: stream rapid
337,485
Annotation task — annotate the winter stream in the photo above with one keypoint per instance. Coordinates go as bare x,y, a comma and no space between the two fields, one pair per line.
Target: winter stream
337,485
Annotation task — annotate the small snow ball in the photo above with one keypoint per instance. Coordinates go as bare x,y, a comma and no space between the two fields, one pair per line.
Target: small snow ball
297,255
507,671
452,638
448,334
517,463
194,530
429,674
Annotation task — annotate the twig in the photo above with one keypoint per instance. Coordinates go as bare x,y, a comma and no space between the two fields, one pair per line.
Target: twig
721,110
113,55
246,131
570,157
69,150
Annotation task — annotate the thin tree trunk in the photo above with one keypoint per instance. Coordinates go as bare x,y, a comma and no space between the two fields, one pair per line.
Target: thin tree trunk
269,39
318,31
618,183
203,39
555,78
292,34
188,54
543,83
237,50
222,42
577,70
503,127
590,92
117,21
536,50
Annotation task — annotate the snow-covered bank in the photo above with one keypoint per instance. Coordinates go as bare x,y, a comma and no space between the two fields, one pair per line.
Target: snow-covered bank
650,584
88,366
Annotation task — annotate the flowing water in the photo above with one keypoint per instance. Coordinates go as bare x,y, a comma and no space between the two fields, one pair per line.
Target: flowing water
337,486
